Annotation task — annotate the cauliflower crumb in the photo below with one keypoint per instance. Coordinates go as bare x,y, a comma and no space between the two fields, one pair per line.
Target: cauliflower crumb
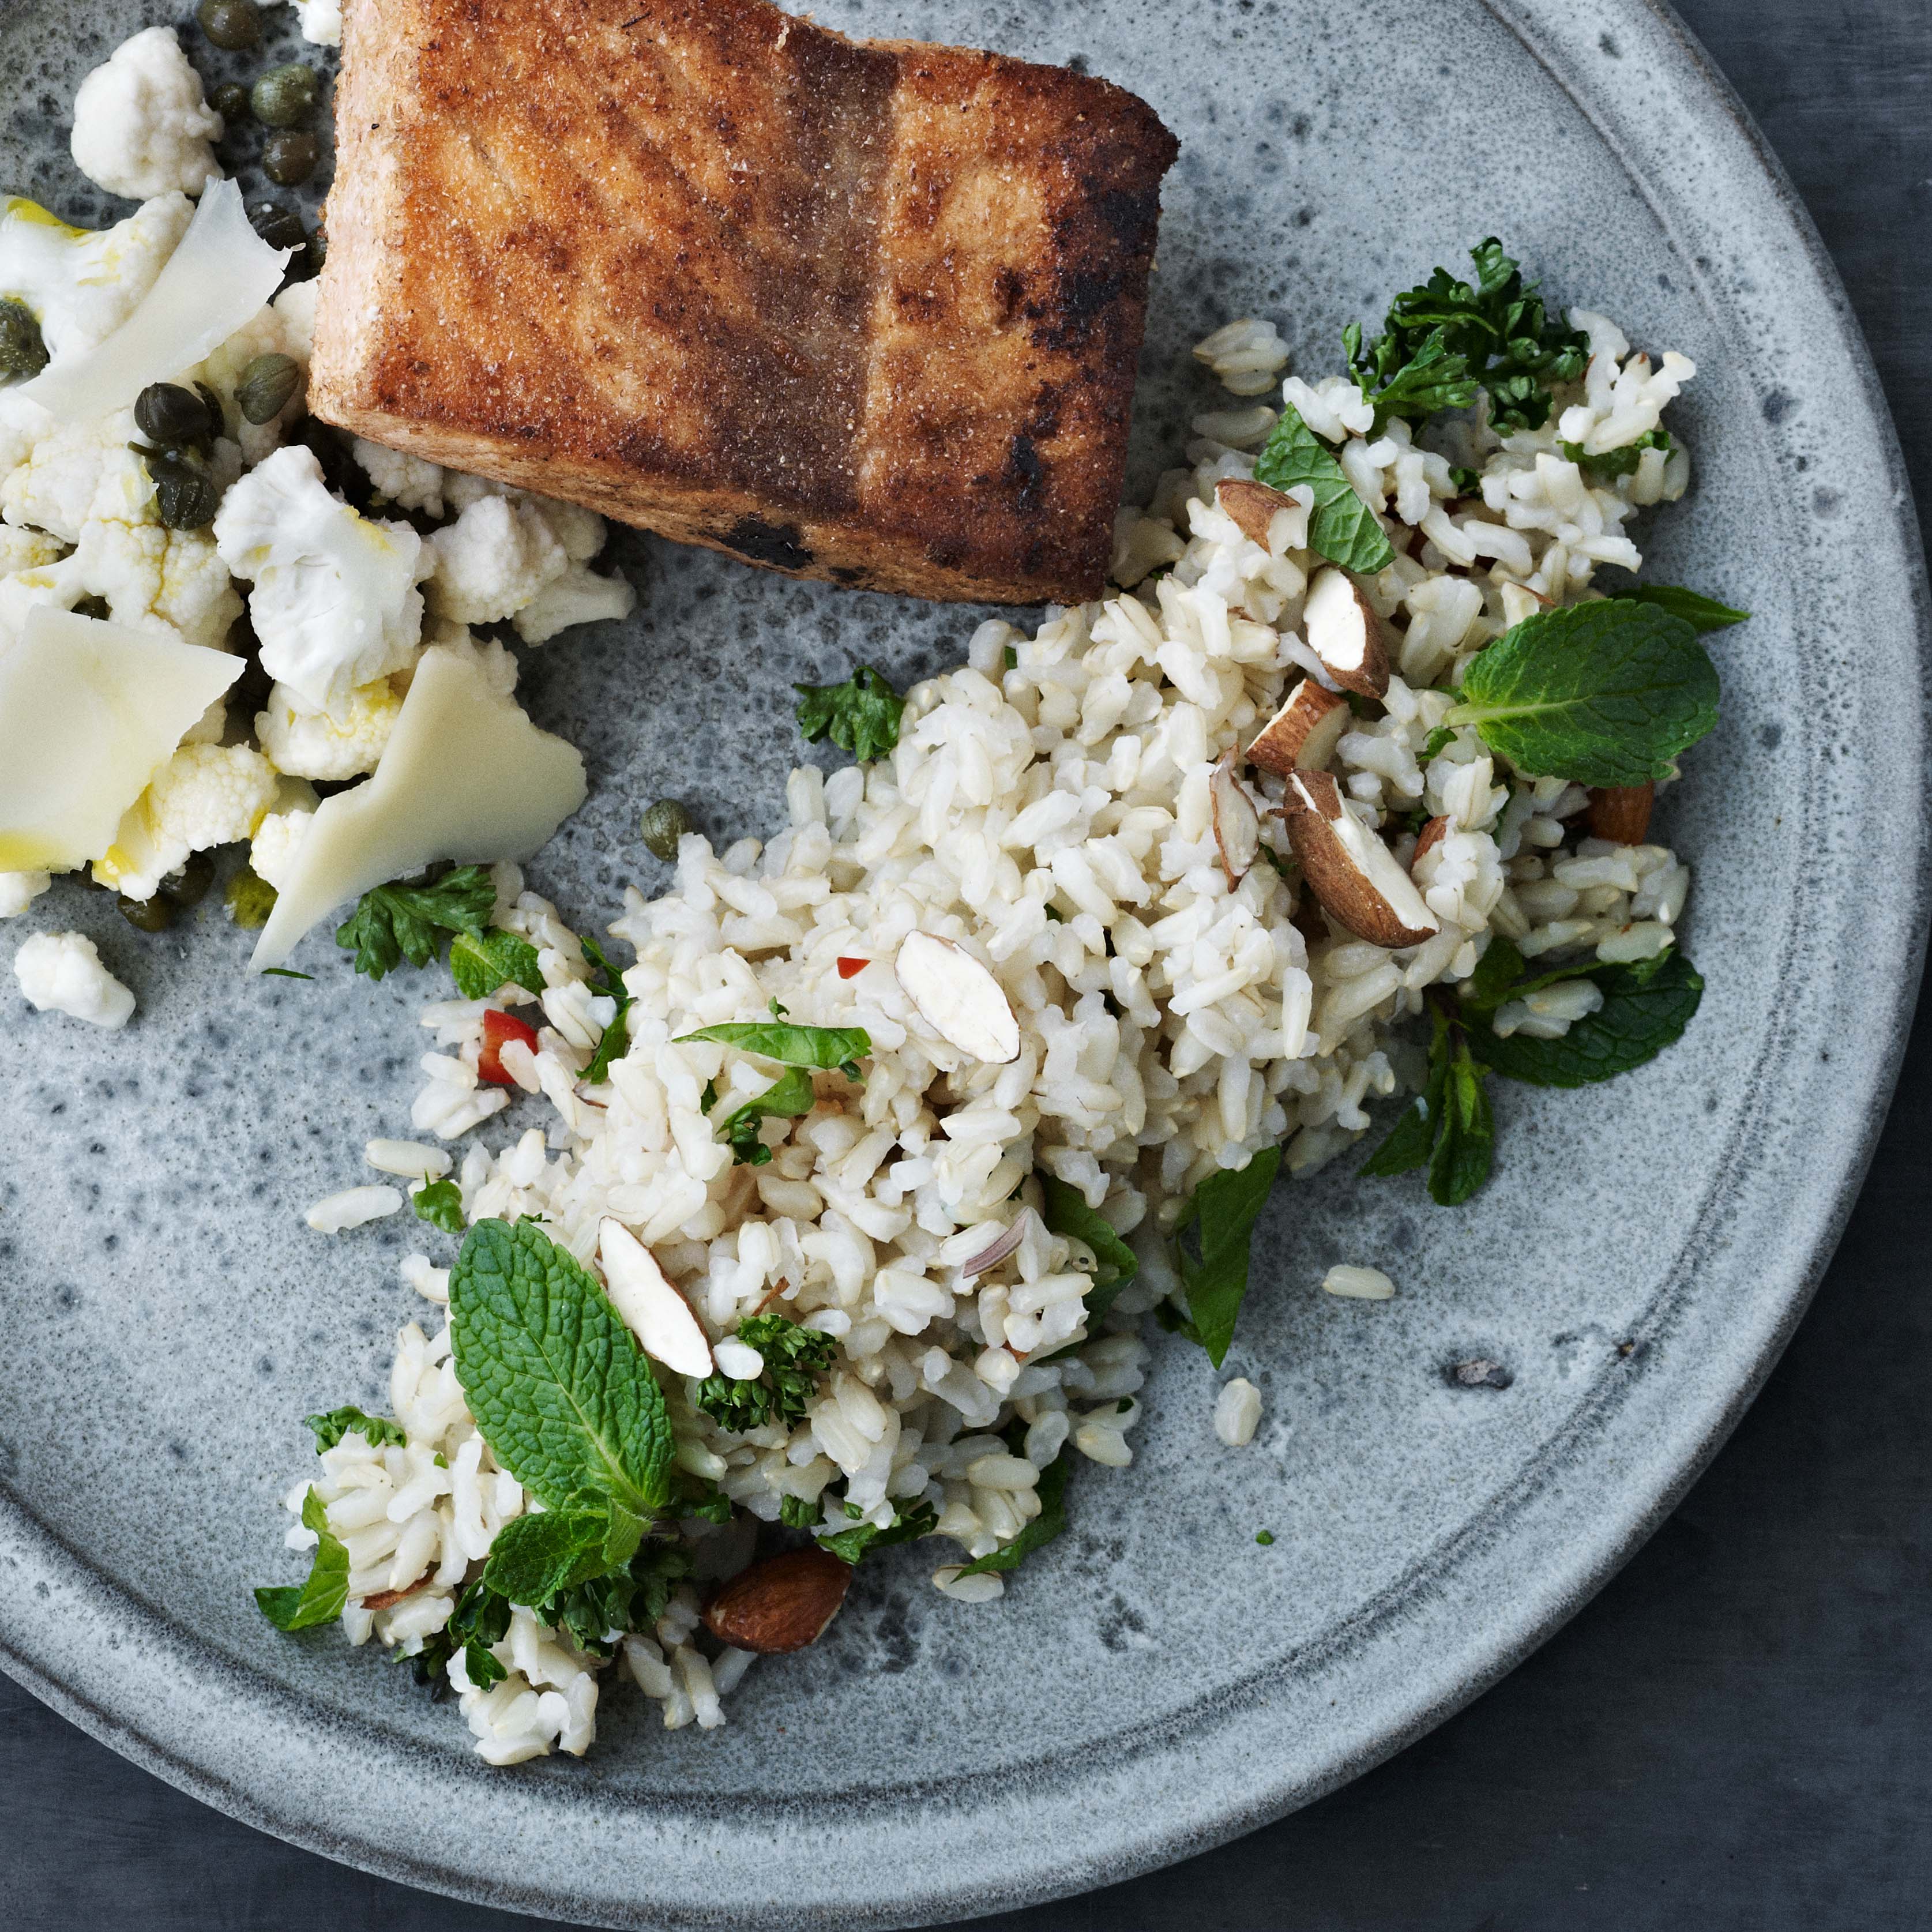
62,973
579,596
26,550
335,604
321,21
205,795
18,890
309,743
141,124
492,560
272,851
1238,1411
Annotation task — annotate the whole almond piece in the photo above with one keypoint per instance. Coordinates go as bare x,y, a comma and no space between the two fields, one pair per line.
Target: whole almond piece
781,1604
1345,632
1303,734
1349,868
1254,506
1431,835
1621,813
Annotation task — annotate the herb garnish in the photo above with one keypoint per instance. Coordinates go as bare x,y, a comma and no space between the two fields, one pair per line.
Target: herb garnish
1222,1216
796,1357
607,983
1701,614
480,962
1604,694
1065,1211
294,1607
1042,1529
789,1096
861,715
850,1545
376,1430
779,1038
1341,526
394,922
1441,343
440,1204
1606,466
1447,1128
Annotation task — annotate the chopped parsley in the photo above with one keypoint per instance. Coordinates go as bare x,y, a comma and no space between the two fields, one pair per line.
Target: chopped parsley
394,922
861,715
796,1358
376,1430
1042,1530
1606,466
607,983
1264,1537
440,1204
850,1545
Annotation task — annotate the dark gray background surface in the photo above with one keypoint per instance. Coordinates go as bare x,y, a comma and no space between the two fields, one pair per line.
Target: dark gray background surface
1737,1733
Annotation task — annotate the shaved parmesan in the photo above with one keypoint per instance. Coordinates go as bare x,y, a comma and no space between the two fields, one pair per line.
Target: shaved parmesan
89,711
215,280
465,775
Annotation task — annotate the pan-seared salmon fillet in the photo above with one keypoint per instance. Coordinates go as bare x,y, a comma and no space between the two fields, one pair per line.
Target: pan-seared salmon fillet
862,310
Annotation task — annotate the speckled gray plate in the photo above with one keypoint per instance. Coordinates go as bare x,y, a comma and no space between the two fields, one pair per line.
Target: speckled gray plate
1156,1681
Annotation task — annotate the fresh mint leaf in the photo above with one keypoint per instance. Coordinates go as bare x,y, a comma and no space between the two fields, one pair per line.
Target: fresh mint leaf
608,983
861,715
1442,341
799,1512
1222,1216
1466,1136
850,1545
1606,466
796,1358
1499,969
295,1606
1411,1141
1602,693
562,1393
789,1096
1042,1529
394,922
1701,614
1467,482
1066,1213
1438,742
376,1430
1341,527
440,1204
1645,1008
284,972
532,1558
480,962
824,1048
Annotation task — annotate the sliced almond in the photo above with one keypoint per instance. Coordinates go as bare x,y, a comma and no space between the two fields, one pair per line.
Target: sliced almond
1237,825
1621,813
1353,874
1343,631
1254,507
384,1599
653,1309
781,1604
1302,735
1431,835
958,998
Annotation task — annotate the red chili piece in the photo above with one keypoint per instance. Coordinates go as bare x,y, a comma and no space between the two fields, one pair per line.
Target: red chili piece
850,968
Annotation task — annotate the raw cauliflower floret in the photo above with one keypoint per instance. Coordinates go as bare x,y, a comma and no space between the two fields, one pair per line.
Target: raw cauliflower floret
18,890
80,473
308,742
497,556
335,603
405,480
579,596
579,531
141,124
272,851
62,973
265,333
81,284
206,795
152,577
295,305
27,550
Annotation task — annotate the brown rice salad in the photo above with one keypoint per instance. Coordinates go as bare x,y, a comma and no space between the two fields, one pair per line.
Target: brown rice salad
1121,929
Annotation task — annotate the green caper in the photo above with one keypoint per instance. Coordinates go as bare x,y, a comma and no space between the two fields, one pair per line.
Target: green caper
166,414
266,385
280,227
285,97
189,886
93,607
185,496
663,826
153,915
22,352
250,899
232,24
230,100
288,158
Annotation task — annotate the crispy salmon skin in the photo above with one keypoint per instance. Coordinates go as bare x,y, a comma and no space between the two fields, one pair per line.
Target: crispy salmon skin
867,311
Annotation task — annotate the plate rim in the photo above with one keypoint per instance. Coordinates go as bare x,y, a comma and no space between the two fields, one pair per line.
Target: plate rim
26,1542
